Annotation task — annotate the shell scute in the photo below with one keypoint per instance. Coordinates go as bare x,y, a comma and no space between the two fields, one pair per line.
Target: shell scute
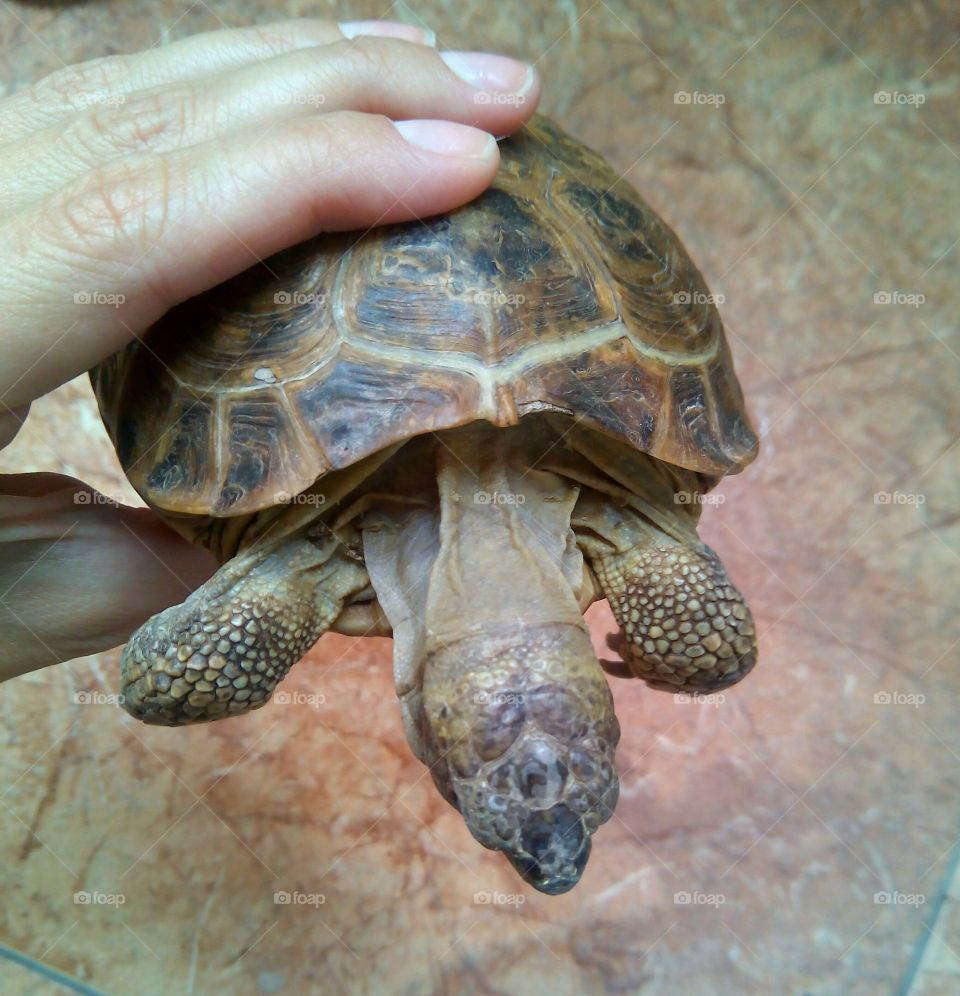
558,289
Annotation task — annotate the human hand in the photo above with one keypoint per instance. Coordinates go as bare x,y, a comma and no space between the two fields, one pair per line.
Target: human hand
131,183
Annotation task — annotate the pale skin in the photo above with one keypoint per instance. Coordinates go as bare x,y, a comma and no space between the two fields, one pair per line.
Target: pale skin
148,178
479,546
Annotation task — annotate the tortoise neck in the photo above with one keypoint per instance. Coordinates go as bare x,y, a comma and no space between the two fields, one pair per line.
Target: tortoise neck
507,554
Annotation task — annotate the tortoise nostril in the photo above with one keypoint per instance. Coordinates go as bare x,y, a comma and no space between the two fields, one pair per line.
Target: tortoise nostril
541,775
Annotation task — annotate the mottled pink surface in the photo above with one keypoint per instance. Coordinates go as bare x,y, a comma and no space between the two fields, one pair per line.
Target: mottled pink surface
785,808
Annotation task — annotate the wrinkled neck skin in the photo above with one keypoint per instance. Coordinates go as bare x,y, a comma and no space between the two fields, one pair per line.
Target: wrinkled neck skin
501,693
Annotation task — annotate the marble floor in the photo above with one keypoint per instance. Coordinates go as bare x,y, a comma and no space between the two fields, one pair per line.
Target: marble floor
814,812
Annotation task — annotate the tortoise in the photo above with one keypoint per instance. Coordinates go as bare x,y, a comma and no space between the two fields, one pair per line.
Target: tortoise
460,431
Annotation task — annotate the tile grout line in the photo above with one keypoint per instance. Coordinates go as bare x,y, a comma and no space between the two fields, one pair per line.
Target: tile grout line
915,968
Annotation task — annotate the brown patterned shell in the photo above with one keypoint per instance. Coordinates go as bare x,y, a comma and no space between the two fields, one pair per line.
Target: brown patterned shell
558,289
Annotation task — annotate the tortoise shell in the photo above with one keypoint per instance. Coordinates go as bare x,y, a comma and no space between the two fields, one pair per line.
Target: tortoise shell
558,289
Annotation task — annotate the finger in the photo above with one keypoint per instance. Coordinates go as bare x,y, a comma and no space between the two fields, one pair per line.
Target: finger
58,536
139,235
11,422
106,81
381,76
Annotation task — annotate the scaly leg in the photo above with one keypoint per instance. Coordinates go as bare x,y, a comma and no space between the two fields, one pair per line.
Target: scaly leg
684,626
223,651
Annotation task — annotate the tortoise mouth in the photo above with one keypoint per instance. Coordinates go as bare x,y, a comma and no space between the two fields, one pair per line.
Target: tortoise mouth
553,852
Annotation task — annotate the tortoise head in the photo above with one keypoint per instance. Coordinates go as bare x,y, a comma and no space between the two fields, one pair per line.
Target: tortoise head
502,694
521,738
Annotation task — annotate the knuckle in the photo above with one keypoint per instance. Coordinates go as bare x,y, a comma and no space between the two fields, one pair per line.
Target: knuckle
308,159
282,36
72,83
149,121
114,213
366,57
312,147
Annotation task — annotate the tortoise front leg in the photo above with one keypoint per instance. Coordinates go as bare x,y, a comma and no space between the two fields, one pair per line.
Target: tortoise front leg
223,651
684,626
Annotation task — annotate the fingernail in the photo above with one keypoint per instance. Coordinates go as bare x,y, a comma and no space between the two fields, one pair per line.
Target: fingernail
492,72
447,138
388,29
